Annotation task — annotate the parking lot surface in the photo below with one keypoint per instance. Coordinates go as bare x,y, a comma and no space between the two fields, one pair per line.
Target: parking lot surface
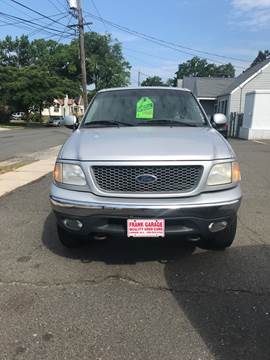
136,299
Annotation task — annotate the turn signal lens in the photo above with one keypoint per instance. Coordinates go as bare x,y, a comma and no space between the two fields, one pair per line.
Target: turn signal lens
236,174
58,173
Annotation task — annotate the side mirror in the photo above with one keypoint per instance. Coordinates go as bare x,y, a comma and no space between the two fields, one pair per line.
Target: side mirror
70,121
220,123
219,119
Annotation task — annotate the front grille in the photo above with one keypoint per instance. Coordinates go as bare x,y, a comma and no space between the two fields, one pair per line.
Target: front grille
123,179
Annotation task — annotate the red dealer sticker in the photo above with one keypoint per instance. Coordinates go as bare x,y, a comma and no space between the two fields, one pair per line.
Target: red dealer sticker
146,228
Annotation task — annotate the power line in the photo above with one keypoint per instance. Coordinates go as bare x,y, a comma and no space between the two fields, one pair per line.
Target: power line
142,60
47,26
32,23
148,62
184,47
159,41
53,36
36,12
99,14
54,5
27,27
14,7
21,22
65,5
62,35
145,53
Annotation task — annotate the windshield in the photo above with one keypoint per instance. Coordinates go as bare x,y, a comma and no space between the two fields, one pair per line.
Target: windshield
145,107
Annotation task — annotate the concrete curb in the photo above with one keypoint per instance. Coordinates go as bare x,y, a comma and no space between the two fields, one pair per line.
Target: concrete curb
28,173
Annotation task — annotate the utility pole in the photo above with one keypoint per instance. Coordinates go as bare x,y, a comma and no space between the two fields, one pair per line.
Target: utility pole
76,7
139,78
82,54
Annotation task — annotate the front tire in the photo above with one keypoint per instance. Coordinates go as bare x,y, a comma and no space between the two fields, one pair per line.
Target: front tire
68,239
222,239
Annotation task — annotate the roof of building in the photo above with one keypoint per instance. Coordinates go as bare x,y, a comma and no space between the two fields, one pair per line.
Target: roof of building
78,101
245,76
207,87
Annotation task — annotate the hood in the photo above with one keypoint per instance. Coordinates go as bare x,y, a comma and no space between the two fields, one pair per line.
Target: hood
146,143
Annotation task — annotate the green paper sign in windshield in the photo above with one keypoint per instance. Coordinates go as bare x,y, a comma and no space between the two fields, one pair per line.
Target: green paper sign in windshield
145,108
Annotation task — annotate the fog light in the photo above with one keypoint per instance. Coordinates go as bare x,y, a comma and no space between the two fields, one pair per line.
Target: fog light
218,226
73,224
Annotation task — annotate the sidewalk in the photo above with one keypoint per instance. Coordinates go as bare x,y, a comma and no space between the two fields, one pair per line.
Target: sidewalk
29,173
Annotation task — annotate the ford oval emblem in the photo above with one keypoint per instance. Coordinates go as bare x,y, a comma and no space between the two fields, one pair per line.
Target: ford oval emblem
146,179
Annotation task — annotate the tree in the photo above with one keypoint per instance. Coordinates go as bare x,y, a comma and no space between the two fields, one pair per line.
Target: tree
170,82
200,67
262,55
33,88
105,64
15,52
33,73
153,81
224,71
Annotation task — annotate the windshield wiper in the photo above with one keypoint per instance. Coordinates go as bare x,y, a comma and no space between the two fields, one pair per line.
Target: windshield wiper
168,123
103,123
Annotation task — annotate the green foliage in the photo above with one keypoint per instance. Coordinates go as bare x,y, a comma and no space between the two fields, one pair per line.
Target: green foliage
153,81
262,55
31,88
105,64
170,82
34,73
198,67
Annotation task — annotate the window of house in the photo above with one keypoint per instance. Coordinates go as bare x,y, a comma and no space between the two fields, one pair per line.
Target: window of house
56,108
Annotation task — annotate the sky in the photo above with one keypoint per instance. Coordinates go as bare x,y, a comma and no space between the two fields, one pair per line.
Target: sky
229,28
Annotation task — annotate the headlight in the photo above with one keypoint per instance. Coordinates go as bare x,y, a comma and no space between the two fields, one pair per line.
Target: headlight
225,173
69,174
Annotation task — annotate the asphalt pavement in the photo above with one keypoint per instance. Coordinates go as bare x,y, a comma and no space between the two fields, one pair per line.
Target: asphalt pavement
15,143
136,299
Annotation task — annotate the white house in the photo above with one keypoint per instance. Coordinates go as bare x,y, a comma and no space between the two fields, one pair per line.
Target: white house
64,107
232,99
206,89
227,95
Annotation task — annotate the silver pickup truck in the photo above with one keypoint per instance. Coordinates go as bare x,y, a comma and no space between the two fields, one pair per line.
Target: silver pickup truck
147,162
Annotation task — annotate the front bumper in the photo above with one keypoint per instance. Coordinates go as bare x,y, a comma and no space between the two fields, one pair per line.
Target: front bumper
186,216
